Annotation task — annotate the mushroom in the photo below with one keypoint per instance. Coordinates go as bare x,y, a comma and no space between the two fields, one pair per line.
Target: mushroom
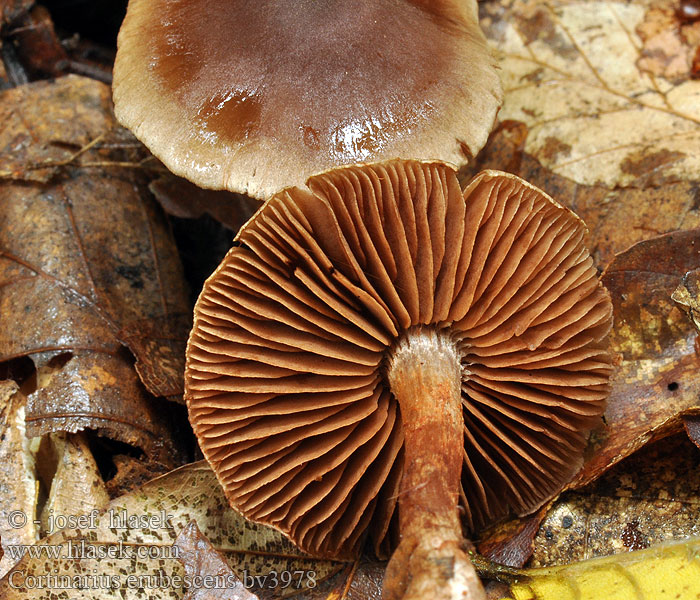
256,96
382,348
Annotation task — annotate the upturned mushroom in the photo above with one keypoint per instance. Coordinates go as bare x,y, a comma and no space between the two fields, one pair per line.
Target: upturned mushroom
384,353
257,96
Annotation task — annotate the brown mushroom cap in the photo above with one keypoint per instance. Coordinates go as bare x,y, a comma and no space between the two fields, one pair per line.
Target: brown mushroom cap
286,365
257,96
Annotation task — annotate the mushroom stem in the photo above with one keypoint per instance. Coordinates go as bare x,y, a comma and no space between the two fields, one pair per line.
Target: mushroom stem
424,373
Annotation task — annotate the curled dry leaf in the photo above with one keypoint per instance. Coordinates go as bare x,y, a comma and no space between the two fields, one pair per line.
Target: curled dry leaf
113,546
201,560
571,73
87,264
657,379
100,391
18,483
74,480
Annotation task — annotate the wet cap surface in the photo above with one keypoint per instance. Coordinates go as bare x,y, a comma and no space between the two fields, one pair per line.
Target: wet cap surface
257,96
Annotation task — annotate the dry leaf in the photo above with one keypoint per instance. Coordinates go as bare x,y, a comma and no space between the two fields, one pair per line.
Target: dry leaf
616,218
180,198
203,562
687,296
658,378
165,506
18,484
76,283
38,47
100,391
652,497
510,542
49,121
670,39
76,486
12,9
570,73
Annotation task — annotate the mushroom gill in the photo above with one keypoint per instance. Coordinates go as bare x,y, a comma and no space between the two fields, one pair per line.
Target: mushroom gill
384,338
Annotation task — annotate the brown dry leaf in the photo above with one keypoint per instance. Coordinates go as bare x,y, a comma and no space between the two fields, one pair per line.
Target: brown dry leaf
144,550
88,261
100,391
132,472
75,484
201,560
670,40
652,497
571,74
18,483
49,122
510,542
3,73
658,378
36,44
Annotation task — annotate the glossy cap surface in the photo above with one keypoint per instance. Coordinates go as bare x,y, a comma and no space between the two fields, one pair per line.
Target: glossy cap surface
255,96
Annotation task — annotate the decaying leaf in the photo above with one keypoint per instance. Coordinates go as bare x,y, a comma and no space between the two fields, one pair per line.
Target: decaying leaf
657,379
670,37
87,264
12,9
135,536
571,74
650,498
687,295
616,218
18,483
201,560
76,486
510,542
99,391
183,199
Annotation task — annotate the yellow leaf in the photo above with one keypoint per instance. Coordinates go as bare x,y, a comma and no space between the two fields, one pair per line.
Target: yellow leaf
667,571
